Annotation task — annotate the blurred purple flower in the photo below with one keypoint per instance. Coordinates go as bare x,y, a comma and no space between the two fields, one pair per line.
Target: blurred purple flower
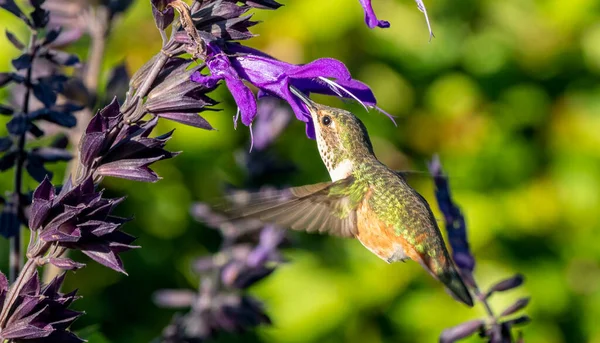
496,328
272,119
39,314
218,306
245,258
455,222
79,17
238,63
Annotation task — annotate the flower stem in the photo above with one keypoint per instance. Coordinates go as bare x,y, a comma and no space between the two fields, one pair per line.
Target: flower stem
488,309
13,292
16,254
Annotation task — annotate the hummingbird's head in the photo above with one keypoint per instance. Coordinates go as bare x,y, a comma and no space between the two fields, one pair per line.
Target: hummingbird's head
341,137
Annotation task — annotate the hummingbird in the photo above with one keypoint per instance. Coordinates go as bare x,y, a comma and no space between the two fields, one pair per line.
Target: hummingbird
365,200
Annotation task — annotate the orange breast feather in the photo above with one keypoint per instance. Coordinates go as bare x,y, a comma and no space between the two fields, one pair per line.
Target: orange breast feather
379,237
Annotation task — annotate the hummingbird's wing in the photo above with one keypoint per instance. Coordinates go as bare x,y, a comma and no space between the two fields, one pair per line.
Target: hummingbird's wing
323,207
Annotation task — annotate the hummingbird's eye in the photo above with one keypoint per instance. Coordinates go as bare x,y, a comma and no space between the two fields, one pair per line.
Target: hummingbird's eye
326,120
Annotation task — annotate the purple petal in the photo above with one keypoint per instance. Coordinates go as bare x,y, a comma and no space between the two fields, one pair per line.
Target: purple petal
208,81
370,17
112,110
59,236
243,97
98,228
325,67
191,119
103,255
136,170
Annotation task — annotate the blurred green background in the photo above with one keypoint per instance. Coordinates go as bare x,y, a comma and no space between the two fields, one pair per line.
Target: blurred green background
508,93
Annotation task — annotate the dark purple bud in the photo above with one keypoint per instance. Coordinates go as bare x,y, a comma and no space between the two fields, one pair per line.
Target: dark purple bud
517,306
35,130
522,320
5,110
12,7
174,298
22,62
14,40
249,276
112,110
9,220
52,35
461,331
5,78
40,17
163,14
506,285
119,6
191,119
8,160
62,58
35,168
18,125
118,82
263,4
50,154
44,93
92,143
61,141
41,204
64,119
5,143
65,263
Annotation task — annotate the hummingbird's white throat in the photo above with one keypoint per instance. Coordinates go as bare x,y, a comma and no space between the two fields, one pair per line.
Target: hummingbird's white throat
342,170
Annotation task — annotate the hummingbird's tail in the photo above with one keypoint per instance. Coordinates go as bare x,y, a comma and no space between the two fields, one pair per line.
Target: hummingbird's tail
450,277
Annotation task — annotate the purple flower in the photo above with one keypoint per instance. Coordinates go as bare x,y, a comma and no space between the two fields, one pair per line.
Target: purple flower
79,218
40,314
372,21
455,222
123,151
237,64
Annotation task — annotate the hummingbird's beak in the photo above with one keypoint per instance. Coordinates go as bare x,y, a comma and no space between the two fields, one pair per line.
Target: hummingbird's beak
312,106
